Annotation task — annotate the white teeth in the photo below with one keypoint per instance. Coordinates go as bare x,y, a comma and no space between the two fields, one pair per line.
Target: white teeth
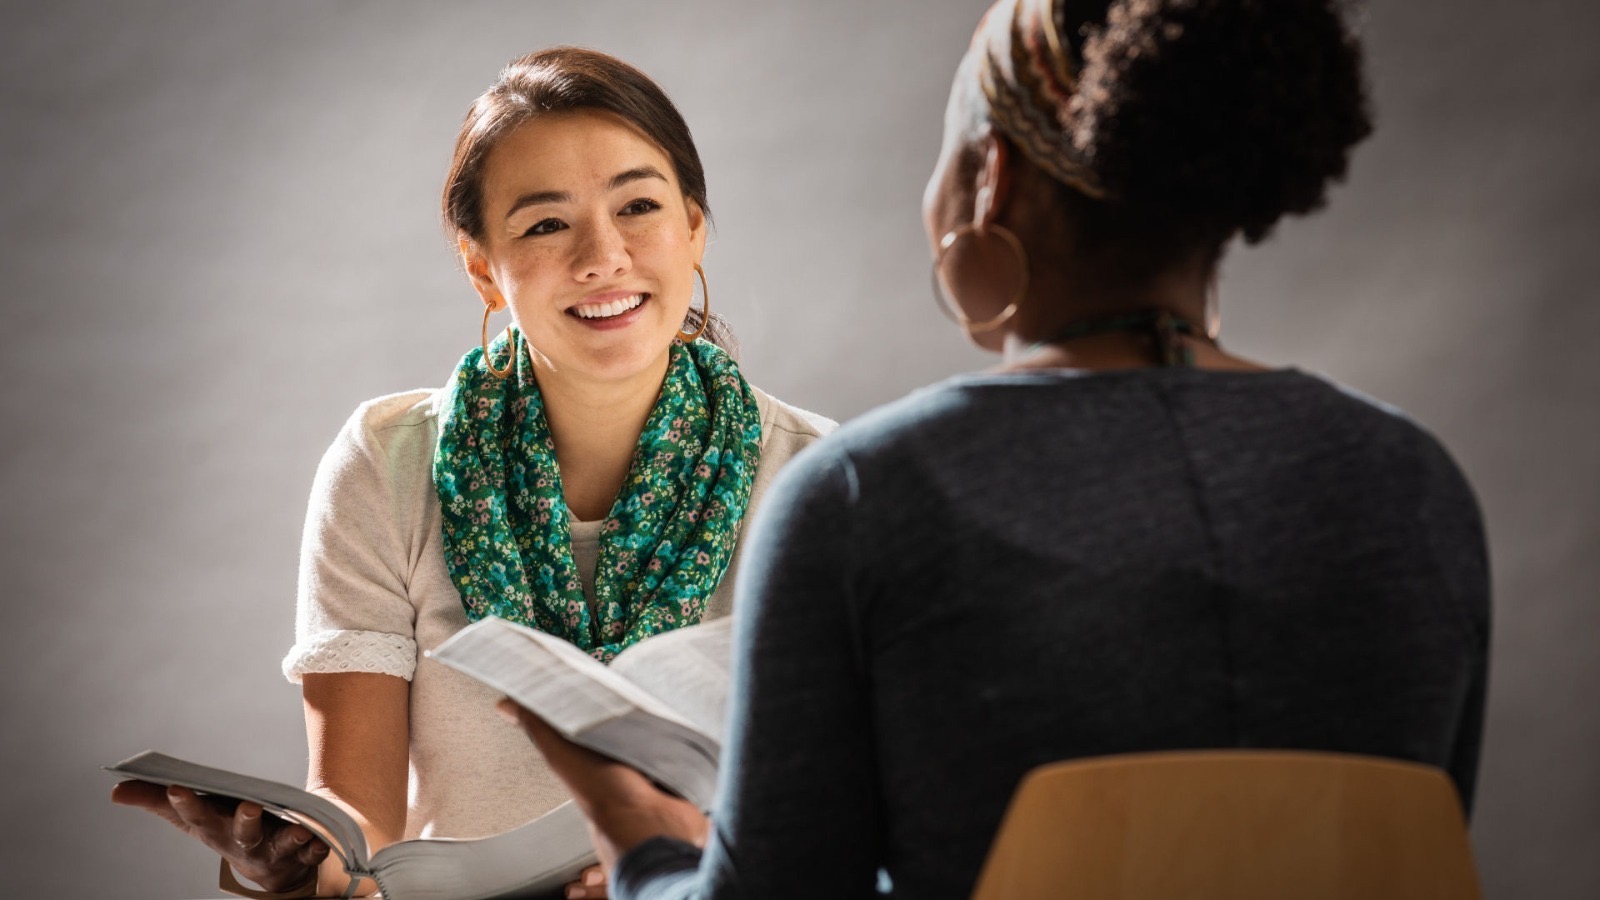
607,310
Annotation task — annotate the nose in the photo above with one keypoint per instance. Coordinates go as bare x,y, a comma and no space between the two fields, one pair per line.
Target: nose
602,253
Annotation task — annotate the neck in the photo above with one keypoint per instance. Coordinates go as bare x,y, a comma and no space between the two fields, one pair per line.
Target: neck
1059,298
595,426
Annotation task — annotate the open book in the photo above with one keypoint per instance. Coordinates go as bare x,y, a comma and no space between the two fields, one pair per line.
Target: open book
658,707
534,861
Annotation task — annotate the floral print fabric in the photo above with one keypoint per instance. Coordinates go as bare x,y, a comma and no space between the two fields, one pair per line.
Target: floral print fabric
669,537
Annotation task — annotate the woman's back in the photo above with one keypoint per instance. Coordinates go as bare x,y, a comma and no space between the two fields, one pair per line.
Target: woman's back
1179,550
1048,565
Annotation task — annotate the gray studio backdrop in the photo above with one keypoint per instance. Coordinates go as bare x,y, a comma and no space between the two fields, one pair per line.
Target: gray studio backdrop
220,236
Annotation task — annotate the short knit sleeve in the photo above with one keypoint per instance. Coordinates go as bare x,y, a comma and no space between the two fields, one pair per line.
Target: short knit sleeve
353,612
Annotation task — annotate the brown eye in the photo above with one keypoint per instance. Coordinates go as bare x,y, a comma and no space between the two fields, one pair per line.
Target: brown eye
545,226
640,206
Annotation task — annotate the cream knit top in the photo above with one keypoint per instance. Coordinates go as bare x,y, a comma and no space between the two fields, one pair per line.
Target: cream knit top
374,594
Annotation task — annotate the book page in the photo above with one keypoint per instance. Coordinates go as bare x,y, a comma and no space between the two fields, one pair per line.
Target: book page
566,686
688,670
536,860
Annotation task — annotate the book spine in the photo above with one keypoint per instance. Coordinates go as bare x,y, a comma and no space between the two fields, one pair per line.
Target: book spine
357,873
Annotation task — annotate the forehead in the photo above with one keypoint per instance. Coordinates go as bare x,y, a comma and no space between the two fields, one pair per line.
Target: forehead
577,152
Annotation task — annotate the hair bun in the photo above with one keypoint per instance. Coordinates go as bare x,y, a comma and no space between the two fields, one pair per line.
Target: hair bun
1221,114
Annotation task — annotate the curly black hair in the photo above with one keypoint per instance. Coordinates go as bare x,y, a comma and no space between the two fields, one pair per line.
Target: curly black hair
1202,119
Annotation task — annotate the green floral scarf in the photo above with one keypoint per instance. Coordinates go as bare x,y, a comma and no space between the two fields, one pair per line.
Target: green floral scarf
668,539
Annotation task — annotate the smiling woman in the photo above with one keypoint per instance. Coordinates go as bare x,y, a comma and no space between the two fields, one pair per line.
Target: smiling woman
598,273
587,473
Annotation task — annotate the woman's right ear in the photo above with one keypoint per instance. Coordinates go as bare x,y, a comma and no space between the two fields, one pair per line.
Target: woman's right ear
476,265
993,185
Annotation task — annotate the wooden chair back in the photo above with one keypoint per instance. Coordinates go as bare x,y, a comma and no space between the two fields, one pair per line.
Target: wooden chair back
1232,825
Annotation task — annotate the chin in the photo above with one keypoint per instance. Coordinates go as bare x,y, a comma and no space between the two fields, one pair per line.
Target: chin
622,362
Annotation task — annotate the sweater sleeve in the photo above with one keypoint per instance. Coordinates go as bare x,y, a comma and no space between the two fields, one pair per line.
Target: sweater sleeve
1459,548
797,812
353,612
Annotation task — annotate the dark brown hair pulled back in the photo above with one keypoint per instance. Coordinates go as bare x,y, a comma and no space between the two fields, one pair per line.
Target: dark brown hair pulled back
559,80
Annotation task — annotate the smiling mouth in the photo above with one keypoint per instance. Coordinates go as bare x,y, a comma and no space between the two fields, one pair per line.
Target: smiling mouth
609,309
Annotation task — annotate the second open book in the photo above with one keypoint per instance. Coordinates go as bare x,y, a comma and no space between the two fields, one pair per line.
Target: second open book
658,707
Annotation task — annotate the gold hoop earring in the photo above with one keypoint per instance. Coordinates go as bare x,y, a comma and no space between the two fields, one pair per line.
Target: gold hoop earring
948,303
705,311
487,361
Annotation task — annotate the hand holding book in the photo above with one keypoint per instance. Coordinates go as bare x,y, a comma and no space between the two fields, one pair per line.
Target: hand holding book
536,860
624,808
278,855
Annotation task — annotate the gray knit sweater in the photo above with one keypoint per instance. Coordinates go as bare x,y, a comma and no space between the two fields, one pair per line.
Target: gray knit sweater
1007,570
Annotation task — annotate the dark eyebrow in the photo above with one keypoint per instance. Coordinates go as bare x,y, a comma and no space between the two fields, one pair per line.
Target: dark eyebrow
536,198
635,175
617,181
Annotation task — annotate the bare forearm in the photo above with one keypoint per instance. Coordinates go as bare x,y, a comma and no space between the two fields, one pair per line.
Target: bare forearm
357,726
332,880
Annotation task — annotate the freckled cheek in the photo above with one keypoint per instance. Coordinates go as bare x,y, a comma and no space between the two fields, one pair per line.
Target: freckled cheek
527,278
657,234
667,250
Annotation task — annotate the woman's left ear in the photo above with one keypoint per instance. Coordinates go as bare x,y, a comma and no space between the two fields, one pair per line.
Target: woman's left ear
476,265
993,187
697,230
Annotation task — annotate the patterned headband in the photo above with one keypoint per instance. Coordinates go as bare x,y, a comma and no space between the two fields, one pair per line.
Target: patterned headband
1027,77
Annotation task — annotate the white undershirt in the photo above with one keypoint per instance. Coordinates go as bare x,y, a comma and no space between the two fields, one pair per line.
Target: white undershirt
585,556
